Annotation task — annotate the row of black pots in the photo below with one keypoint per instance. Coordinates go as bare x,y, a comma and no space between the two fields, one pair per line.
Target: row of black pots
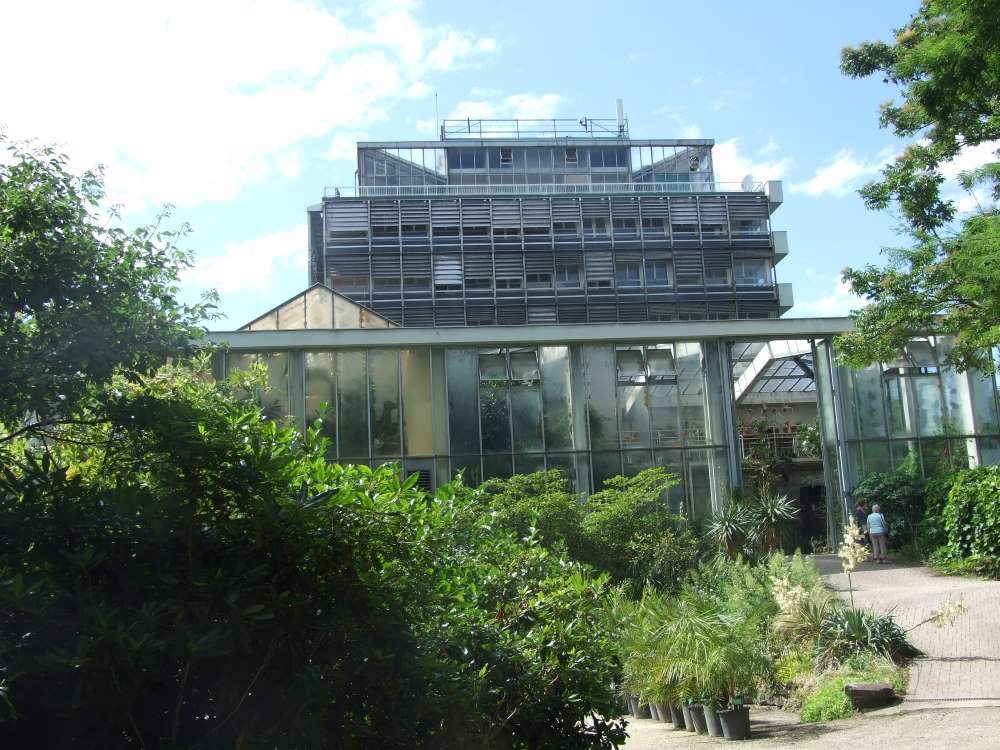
733,724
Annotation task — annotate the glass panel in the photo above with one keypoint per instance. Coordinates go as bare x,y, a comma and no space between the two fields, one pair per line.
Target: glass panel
689,381
634,406
528,463
524,364
556,395
384,402
462,368
635,461
292,315
868,392
700,484
898,402
876,456
418,430
494,416
319,309
564,462
605,465
496,466
989,451
664,415
321,390
631,367
660,361
352,381
469,467
526,413
493,365
901,450
274,400
599,373
673,461
930,418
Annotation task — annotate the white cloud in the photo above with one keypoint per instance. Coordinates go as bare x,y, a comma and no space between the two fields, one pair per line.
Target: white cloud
345,145
250,266
188,102
769,148
842,174
731,165
697,80
839,302
971,157
525,106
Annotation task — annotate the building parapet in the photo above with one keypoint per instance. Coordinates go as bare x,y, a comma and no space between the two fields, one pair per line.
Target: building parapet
595,188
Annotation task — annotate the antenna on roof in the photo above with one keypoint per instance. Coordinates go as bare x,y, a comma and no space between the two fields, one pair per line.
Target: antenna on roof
620,108
437,120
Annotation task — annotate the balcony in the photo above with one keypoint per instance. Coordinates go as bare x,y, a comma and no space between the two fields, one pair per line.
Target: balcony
598,188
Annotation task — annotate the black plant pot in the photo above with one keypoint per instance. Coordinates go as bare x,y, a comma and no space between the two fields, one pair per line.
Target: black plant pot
698,717
712,721
676,717
633,701
661,712
688,721
735,723
642,711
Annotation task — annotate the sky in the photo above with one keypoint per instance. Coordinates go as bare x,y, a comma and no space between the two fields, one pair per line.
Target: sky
237,113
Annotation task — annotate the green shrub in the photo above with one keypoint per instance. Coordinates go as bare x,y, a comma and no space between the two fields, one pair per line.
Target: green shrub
195,574
900,494
847,633
826,700
794,664
541,500
972,513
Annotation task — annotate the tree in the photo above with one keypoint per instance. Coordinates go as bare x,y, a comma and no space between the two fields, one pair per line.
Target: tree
80,298
946,61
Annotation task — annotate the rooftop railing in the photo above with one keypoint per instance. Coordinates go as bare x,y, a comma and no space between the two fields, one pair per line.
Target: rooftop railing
598,188
585,127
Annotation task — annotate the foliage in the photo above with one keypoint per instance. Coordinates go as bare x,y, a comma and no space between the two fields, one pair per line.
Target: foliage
730,528
810,442
768,516
972,514
932,530
945,63
761,462
900,494
80,298
542,500
827,700
751,526
847,632
191,573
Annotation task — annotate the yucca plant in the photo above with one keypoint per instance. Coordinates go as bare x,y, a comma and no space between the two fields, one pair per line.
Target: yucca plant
730,528
768,516
847,632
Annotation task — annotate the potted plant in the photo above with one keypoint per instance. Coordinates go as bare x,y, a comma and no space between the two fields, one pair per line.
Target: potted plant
712,721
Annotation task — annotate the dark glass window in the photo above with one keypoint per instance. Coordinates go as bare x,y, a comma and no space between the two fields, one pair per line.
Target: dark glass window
627,274
417,283
568,276
657,273
479,282
539,280
509,283
571,157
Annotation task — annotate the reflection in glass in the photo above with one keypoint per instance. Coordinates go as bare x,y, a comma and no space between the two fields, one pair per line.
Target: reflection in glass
385,411
635,461
497,466
868,391
462,378
526,412
633,403
353,403
494,417
673,462
565,463
274,397
599,373
689,382
528,463
418,430
664,414
556,397
930,416
605,466
321,392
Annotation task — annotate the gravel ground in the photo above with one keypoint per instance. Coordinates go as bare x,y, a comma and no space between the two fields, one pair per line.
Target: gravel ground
931,729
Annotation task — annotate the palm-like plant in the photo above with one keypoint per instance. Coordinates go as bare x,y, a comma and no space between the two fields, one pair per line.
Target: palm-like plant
730,528
769,514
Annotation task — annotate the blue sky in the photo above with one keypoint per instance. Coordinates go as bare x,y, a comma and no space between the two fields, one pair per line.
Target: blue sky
238,113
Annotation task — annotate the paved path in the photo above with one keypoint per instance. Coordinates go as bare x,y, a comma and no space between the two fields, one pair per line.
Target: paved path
954,693
961,665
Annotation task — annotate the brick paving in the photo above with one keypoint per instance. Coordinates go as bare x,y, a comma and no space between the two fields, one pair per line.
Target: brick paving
961,662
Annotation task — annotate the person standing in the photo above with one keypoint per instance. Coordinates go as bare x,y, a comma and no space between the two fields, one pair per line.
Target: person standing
878,532
861,518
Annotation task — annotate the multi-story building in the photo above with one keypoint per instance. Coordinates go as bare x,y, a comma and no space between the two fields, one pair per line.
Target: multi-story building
548,221
643,302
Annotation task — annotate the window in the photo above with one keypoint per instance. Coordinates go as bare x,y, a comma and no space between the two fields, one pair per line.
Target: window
417,283
654,225
625,226
567,276
657,273
630,364
414,230
599,283
595,227
571,157
566,229
506,156
539,280
524,364
387,283
385,231
350,283
479,282
751,272
627,274
506,231
380,169
718,277
445,232
509,283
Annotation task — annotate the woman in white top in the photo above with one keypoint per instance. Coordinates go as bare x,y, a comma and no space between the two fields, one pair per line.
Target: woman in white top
878,530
